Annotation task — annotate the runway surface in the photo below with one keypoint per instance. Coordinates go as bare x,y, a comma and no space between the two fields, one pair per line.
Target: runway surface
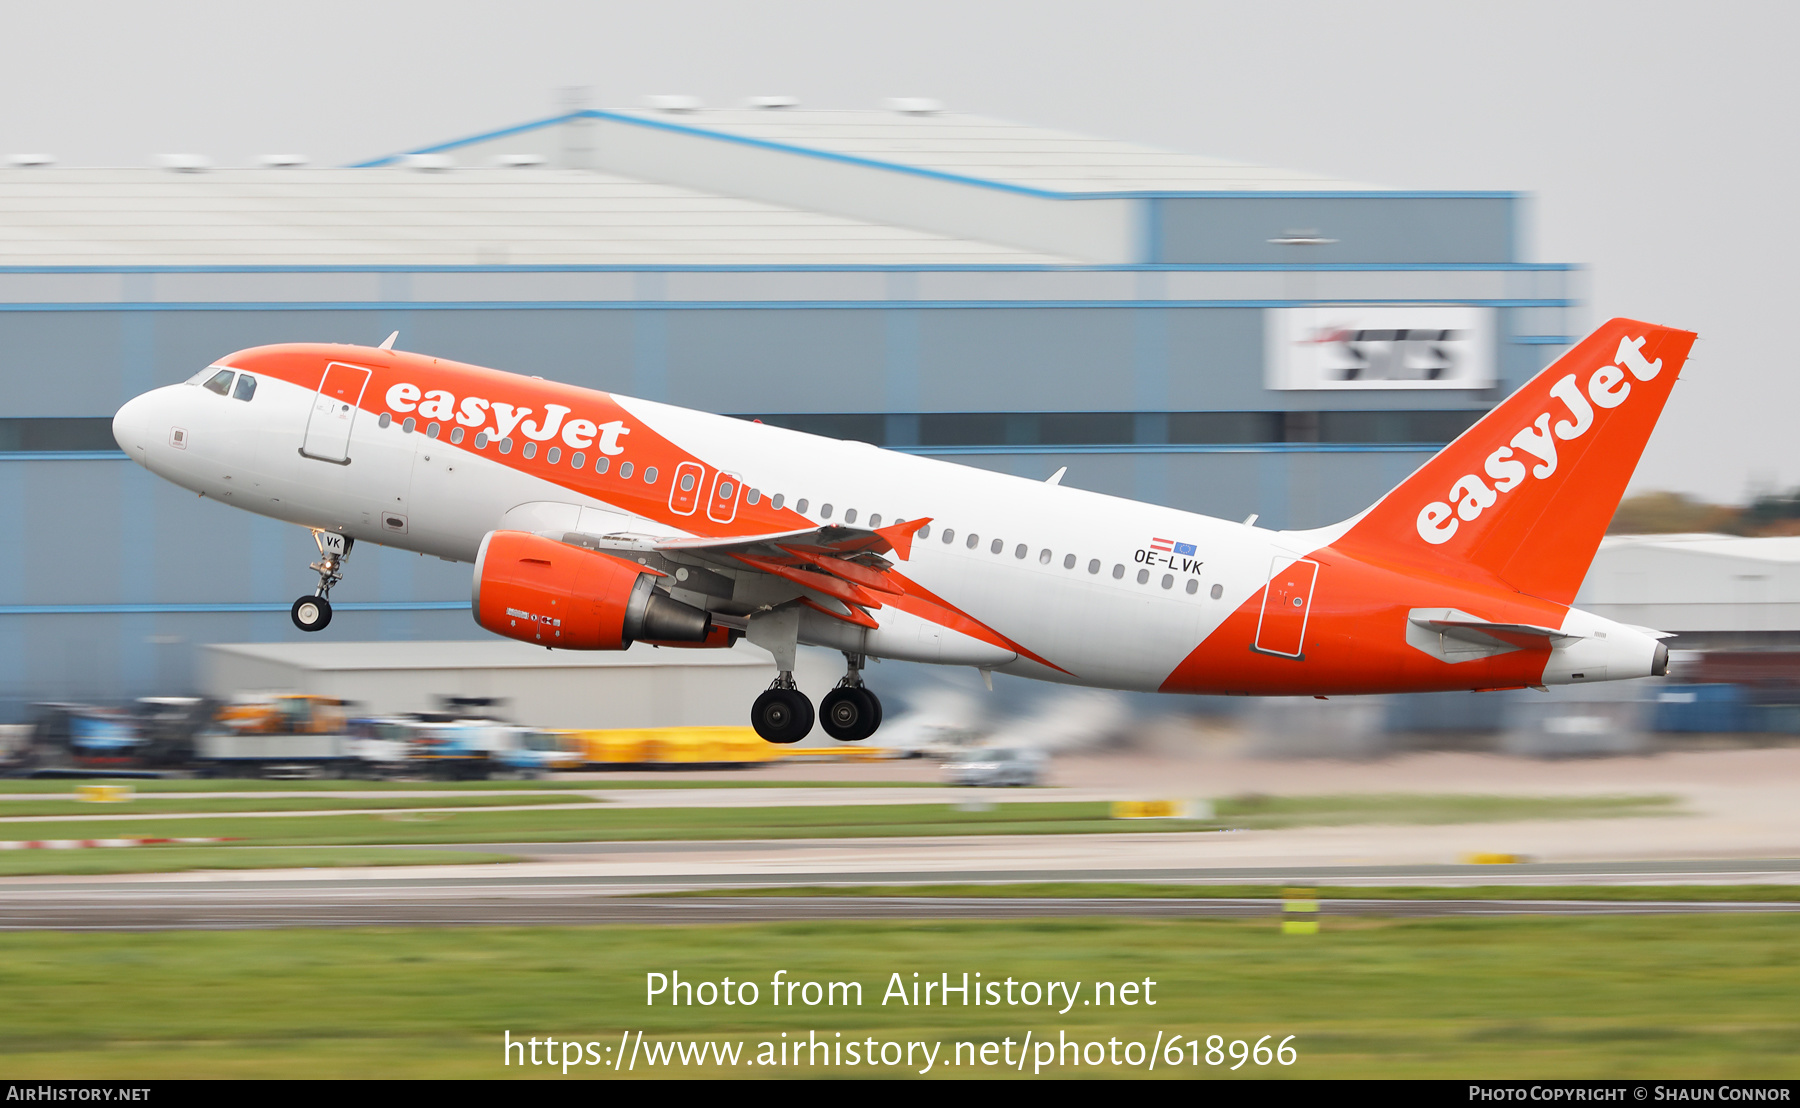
537,894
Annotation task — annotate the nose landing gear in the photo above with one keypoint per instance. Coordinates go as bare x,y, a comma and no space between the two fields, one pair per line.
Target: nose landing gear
313,613
850,712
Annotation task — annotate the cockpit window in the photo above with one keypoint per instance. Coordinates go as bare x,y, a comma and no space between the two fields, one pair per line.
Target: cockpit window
246,387
220,382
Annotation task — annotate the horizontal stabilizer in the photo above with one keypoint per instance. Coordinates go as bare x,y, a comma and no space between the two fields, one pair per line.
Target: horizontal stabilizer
1461,625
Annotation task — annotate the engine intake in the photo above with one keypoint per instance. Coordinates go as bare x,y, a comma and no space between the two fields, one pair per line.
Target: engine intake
541,591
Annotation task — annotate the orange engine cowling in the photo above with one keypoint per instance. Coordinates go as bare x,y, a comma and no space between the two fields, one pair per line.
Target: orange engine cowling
541,591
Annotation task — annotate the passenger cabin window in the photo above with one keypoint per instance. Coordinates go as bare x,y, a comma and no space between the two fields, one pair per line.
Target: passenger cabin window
246,387
220,382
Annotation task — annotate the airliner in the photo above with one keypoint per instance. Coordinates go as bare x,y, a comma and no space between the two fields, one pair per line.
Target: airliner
595,521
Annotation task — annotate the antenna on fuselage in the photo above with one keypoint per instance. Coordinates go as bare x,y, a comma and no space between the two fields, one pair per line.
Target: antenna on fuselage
1056,478
388,343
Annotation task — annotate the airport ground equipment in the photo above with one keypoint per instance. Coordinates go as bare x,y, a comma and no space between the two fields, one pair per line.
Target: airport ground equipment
675,748
997,765
281,735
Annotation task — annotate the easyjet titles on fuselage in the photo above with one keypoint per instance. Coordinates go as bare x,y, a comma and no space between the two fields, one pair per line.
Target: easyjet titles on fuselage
475,412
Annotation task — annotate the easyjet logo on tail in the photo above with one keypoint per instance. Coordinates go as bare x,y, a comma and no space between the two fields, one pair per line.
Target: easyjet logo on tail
1535,444
500,419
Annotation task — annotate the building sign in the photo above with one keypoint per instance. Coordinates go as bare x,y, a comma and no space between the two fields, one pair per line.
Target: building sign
1384,346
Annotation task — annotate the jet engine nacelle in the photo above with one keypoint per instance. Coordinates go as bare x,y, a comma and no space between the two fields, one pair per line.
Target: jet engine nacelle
547,593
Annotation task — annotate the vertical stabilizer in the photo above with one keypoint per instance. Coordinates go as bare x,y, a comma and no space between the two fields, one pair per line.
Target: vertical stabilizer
1525,495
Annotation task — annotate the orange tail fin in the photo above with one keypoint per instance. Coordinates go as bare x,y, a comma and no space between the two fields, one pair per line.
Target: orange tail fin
1525,495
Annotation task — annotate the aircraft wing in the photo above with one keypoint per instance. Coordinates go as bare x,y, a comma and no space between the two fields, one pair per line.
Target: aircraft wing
844,566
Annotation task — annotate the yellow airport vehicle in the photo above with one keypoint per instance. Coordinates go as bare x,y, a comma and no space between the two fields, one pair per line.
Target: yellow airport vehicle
675,747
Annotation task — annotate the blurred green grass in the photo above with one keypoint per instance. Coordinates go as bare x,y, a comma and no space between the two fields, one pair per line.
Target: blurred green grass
151,805
1697,997
855,821
674,780
182,859
391,824
1779,894
68,785
1254,811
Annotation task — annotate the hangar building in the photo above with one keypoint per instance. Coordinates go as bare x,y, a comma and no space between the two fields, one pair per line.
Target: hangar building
1220,337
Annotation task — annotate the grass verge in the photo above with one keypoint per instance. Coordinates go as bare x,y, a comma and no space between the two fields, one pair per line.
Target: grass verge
68,785
152,806
830,821
1780,894
181,859
674,779
1639,997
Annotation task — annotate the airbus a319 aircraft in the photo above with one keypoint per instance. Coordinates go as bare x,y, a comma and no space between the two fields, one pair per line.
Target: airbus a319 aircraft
595,521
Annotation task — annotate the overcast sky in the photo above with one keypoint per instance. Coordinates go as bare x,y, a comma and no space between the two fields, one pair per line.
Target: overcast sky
1658,140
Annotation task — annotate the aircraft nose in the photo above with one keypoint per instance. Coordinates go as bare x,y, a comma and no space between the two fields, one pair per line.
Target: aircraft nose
131,425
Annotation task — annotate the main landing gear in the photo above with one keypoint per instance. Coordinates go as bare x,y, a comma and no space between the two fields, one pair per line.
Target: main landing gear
850,712
782,714
313,613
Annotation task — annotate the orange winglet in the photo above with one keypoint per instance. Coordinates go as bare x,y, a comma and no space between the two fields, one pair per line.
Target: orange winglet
900,536
834,587
854,572
851,613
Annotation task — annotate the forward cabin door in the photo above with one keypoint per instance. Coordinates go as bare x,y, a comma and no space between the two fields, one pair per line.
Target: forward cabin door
333,411
1286,602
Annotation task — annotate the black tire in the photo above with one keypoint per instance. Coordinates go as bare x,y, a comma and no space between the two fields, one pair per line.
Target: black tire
311,613
850,714
782,715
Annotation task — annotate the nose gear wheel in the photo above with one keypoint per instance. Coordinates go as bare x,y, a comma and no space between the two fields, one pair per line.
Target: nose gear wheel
313,613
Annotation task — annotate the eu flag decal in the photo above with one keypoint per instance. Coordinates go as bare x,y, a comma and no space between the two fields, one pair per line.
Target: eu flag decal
1186,548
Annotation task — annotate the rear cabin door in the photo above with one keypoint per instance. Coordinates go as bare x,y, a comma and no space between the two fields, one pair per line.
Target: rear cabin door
1286,603
333,411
